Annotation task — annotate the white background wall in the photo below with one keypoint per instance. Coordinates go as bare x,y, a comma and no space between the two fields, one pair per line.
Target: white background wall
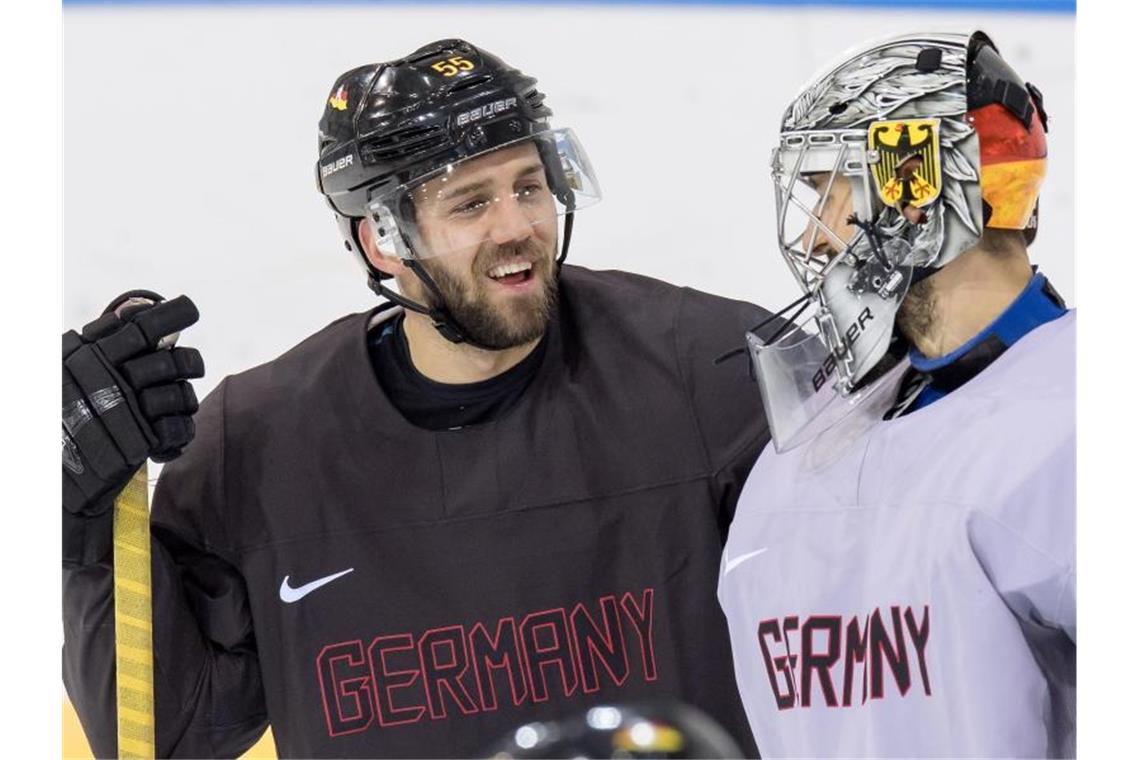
190,139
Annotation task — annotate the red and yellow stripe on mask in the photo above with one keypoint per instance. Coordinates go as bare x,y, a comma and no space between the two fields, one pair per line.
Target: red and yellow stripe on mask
1013,164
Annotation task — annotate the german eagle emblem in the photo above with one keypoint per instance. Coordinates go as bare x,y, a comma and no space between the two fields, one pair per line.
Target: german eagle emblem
908,171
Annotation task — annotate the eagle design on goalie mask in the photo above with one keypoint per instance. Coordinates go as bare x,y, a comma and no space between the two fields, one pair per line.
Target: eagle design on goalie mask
908,171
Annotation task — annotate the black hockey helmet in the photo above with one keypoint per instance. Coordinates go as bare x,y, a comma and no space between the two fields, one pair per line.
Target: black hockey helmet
390,124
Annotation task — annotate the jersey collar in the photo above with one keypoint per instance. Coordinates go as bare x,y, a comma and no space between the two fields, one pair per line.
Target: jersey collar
1037,304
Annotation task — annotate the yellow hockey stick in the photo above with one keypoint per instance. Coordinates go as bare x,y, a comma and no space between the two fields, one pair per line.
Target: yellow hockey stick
134,657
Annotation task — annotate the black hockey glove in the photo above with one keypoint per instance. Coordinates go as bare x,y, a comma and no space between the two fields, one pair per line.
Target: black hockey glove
125,396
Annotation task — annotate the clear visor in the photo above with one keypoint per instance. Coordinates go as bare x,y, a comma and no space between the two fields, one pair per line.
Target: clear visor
511,194
809,374
796,384
801,409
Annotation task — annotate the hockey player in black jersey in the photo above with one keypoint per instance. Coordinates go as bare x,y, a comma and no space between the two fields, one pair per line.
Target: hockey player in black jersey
499,497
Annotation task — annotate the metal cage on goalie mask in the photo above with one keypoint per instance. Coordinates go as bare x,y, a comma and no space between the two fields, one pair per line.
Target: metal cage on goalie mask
906,95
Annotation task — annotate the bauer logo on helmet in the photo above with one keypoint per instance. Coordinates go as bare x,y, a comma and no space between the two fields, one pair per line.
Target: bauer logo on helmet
490,109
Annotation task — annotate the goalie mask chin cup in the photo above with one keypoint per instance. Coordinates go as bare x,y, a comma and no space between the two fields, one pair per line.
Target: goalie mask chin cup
930,138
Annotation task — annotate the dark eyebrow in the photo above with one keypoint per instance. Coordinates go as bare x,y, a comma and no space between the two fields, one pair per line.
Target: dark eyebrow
464,189
483,184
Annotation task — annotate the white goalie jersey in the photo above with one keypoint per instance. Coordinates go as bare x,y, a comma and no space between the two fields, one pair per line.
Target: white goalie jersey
906,588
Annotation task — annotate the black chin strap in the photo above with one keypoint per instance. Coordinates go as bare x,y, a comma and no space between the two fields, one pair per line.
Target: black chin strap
440,316
870,229
441,319
567,228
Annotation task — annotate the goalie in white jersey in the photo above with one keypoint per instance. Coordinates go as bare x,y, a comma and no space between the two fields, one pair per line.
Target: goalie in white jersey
899,576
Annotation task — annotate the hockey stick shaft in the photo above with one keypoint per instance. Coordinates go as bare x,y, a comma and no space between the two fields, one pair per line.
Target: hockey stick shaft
134,657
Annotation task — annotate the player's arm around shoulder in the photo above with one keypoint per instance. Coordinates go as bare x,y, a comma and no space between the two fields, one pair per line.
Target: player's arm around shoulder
725,397
726,403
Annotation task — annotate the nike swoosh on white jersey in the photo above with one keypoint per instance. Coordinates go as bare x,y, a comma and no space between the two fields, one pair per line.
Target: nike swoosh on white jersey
733,563
289,594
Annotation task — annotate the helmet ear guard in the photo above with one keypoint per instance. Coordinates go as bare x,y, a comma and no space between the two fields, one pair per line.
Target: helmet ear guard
348,233
382,225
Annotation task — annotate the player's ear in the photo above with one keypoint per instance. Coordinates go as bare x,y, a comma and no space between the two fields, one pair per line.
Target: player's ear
385,261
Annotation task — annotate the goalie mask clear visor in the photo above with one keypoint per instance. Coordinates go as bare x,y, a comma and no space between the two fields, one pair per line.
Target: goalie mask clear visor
505,194
830,353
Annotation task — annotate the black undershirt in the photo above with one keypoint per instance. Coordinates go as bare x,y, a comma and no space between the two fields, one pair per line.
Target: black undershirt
443,406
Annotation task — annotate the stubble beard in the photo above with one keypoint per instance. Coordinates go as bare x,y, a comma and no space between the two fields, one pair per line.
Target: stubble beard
511,322
917,312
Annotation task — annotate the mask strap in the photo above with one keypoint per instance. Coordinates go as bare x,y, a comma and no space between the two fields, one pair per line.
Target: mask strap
803,302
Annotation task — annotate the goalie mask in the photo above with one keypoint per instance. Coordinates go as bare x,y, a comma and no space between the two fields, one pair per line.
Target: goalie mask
888,167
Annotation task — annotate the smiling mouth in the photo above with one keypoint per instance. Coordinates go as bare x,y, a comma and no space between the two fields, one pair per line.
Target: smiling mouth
512,273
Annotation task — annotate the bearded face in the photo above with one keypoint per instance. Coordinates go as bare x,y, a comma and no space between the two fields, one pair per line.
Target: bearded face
505,297
488,231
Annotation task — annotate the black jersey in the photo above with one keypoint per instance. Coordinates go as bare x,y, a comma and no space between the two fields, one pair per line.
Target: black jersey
376,589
